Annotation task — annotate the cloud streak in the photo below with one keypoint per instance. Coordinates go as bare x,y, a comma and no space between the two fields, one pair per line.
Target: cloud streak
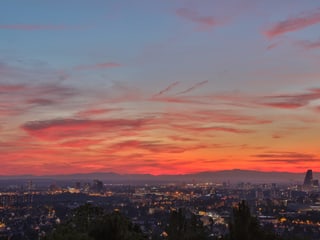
292,101
41,101
97,66
7,88
195,86
96,112
191,128
211,116
81,143
153,146
59,129
191,15
286,157
294,23
167,89
309,45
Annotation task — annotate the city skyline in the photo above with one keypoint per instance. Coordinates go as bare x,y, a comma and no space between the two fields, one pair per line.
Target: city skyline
160,87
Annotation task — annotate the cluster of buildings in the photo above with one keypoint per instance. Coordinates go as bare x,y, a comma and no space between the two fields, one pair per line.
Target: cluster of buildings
289,210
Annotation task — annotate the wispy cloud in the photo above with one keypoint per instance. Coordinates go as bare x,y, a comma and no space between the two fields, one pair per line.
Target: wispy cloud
8,111
309,44
7,88
59,129
181,138
195,129
233,117
81,143
294,23
286,157
199,84
18,99
36,90
172,85
179,97
273,45
292,101
205,22
179,100
41,101
212,116
97,66
96,111
284,105
153,146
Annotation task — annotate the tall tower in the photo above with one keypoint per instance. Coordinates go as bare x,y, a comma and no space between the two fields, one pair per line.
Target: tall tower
308,180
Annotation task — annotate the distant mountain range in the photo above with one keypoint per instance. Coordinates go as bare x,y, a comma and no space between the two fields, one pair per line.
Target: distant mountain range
231,176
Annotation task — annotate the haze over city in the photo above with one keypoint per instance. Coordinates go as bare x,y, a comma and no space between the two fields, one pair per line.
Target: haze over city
159,87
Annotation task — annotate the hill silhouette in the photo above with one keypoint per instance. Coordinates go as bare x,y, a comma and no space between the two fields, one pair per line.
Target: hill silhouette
232,176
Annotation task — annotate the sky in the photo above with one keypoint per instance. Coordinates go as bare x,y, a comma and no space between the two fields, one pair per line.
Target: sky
159,87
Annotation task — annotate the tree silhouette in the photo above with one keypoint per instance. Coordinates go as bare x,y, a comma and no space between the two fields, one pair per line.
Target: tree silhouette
185,226
91,223
246,227
116,227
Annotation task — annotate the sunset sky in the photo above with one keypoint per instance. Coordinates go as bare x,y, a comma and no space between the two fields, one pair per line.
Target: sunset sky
159,86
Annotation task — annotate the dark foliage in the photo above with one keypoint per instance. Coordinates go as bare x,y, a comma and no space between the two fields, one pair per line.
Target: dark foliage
91,223
246,227
185,226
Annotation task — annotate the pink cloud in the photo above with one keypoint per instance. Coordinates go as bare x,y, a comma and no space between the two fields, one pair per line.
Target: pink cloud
81,143
96,111
181,139
53,90
59,129
191,128
40,101
286,157
285,105
7,88
18,99
211,116
7,112
229,117
191,15
37,90
309,44
317,109
179,100
98,66
292,101
152,146
294,24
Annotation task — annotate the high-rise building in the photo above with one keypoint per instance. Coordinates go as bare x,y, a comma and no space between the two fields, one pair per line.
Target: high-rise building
97,186
308,180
